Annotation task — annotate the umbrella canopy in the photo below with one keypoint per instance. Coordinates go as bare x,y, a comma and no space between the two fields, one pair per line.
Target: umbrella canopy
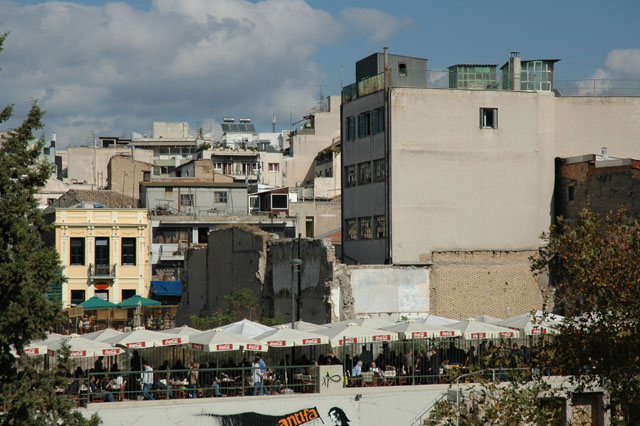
353,333
102,335
487,319
219,340
97,303
246,328
283,336
185,330
305,326
141,338
82,348
472,329
366,322
529,325
436,320
132,302
39,347
411,329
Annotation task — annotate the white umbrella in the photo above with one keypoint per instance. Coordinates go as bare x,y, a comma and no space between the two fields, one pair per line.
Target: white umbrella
353,333
366,321
246,328
283,337
411,329
39,347
141,338
82,348
472,329
487,319
184,330
436,320
219,340
305,326
102,335
529,325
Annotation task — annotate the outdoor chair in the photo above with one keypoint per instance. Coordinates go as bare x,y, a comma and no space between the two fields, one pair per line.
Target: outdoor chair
308,383
368,379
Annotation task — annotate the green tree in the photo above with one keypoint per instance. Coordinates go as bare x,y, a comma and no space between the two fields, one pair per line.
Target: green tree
593,264
26,270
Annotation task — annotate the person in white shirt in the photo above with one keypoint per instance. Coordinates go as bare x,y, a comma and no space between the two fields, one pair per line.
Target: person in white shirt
147,381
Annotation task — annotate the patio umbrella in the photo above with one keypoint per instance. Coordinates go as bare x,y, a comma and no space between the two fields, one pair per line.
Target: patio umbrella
97,303
132,302
141,338
39,347
412,329
246,328
219,340
529,325
82,348
102,335
366,321
305,326
487,319
436,320
282,336
472,329
353,333
185,330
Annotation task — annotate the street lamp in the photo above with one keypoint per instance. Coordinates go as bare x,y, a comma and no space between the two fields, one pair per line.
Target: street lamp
295,263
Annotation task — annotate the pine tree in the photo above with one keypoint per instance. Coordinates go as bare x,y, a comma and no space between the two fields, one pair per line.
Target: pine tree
26,270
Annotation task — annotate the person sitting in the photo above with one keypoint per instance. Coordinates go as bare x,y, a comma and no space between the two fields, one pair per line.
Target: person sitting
94,389
375,370
217,382
357,370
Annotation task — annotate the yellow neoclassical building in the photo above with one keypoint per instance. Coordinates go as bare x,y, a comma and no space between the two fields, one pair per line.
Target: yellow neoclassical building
104,252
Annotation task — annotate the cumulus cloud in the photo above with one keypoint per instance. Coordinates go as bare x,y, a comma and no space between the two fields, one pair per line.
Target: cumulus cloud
113,68
377,25
620,64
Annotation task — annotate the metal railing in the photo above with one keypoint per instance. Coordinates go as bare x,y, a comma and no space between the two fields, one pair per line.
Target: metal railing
101,270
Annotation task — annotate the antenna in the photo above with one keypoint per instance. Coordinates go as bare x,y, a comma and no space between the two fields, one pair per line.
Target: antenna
273,122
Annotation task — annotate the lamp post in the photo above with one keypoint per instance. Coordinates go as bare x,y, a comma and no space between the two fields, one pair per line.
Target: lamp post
295,263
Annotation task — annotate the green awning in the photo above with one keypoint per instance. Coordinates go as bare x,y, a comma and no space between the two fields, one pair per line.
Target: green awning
97,303
132,302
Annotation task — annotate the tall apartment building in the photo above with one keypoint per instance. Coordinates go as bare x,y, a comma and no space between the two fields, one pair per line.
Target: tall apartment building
460,176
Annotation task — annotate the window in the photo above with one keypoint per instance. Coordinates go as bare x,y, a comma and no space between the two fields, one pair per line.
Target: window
171,235
274,167
364,173
571,193
128,251
350,175
220,197
378,170
488,118
254,203
146,176
364,224
127,294
156,171
186,199
77,251
380,224
328,172
364,124
217,166
377,121
102,251
402,69
352,229
350,130
279,201
77,297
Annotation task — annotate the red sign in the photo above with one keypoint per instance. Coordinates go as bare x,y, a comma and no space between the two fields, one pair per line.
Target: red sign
314,341
382,338
110,351
538,331
478,335
32,351
347,341
277,343
419,334
225,347
77,354
172,341
447,333
253,347
506,333
197,346
136,345
101,286
50,352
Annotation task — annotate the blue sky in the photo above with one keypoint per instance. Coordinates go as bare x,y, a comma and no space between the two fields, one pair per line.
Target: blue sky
115,68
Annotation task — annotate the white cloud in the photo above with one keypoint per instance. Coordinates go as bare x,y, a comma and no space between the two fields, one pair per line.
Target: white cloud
114,68
620,64
378,26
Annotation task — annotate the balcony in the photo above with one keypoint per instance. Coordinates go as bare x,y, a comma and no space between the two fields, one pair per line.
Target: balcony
102,271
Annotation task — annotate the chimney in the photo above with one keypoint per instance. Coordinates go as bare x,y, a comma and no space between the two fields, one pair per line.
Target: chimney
515,70
604,153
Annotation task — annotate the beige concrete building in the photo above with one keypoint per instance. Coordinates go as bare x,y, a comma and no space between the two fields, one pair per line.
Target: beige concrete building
430,169
124,175
317,133
104,252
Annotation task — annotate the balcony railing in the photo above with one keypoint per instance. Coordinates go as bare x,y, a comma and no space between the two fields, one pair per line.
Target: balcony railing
102,271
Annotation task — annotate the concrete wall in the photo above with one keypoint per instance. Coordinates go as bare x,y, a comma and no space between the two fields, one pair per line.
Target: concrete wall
325,215
203,199
80,164
125,175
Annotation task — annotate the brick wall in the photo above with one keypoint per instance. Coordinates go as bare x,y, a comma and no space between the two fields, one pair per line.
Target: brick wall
125,175
466,284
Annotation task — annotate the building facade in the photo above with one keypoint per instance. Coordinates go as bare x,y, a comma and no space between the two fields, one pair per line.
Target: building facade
104,252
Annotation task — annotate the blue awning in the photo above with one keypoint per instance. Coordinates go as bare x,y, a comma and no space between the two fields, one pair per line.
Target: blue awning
166,288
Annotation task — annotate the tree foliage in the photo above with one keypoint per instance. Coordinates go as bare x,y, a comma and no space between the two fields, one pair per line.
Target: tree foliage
593,264
26,270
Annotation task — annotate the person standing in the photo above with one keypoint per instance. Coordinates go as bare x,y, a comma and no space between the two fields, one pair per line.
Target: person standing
147,381
257,377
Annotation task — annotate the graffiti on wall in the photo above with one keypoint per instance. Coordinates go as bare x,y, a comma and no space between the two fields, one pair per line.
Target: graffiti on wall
305,417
